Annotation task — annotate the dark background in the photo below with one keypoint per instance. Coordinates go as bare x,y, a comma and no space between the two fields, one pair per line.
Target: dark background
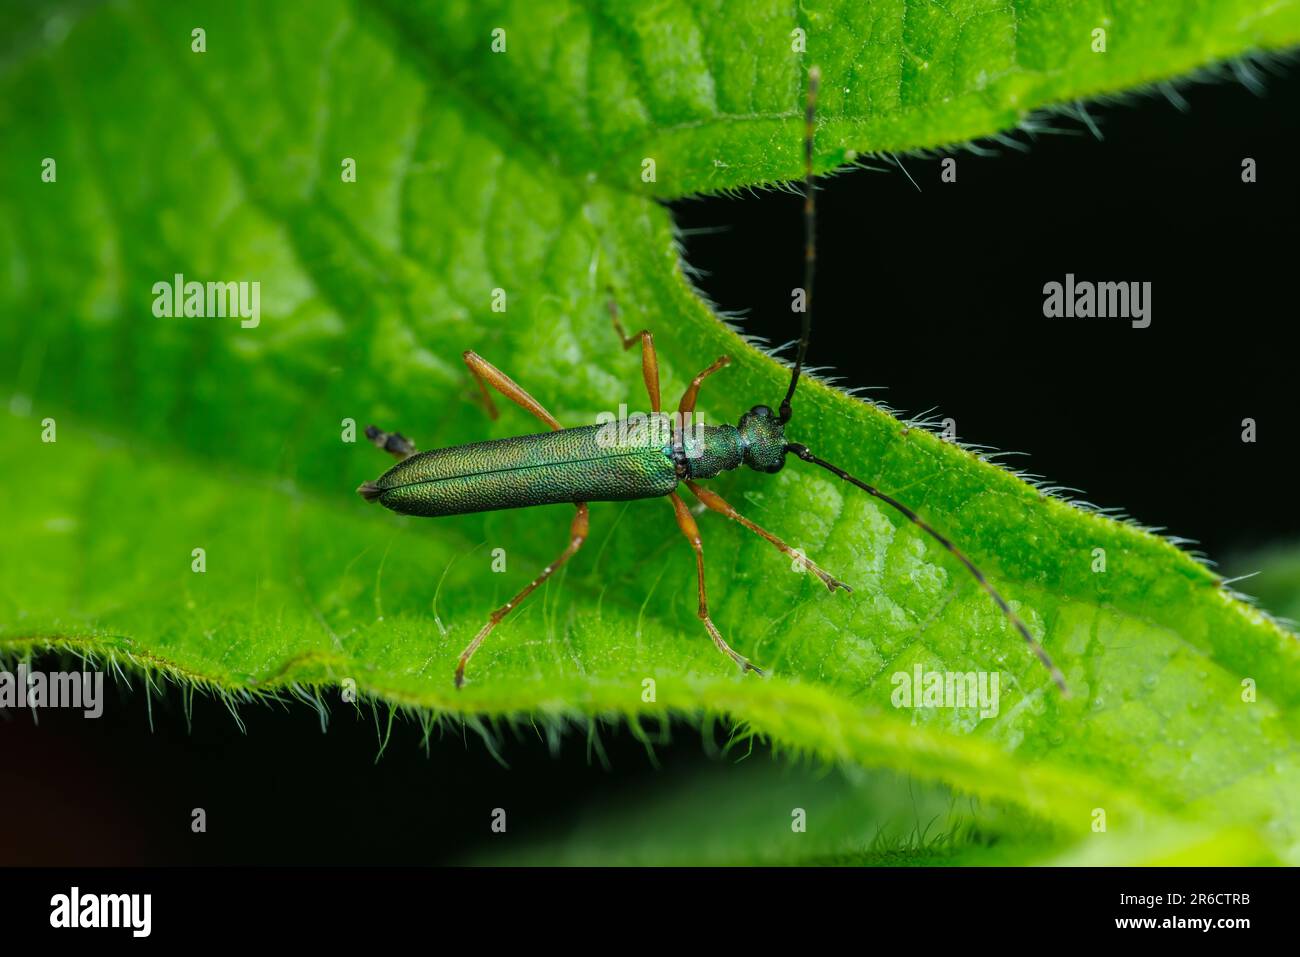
935,294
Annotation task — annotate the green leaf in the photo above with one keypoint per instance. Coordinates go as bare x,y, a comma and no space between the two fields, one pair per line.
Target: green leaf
522,171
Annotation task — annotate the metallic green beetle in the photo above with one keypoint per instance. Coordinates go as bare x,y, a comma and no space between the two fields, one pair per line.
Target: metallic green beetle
582,465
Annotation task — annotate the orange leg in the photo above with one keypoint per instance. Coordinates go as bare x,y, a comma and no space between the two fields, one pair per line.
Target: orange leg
489,375
720,505
687,524
649,358
577,535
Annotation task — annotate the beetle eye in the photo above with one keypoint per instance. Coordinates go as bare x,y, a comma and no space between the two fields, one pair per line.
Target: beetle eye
761,410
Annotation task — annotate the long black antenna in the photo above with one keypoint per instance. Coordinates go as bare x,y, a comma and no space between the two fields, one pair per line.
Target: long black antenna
803,453
809,237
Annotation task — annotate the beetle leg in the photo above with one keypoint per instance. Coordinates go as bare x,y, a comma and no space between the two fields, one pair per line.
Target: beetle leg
692,532
577,535
394,443
489,375
721,506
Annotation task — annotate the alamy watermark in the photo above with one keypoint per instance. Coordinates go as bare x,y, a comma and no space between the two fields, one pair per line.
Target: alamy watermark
214,300
25,688
946,689
1084,299
133,912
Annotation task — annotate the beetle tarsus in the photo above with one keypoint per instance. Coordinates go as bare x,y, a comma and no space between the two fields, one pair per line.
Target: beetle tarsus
394,443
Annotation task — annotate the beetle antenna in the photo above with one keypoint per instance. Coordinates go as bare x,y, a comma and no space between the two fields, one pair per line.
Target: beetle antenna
809,237
803,453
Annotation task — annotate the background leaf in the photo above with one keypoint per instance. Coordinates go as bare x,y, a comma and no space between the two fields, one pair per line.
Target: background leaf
747,816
